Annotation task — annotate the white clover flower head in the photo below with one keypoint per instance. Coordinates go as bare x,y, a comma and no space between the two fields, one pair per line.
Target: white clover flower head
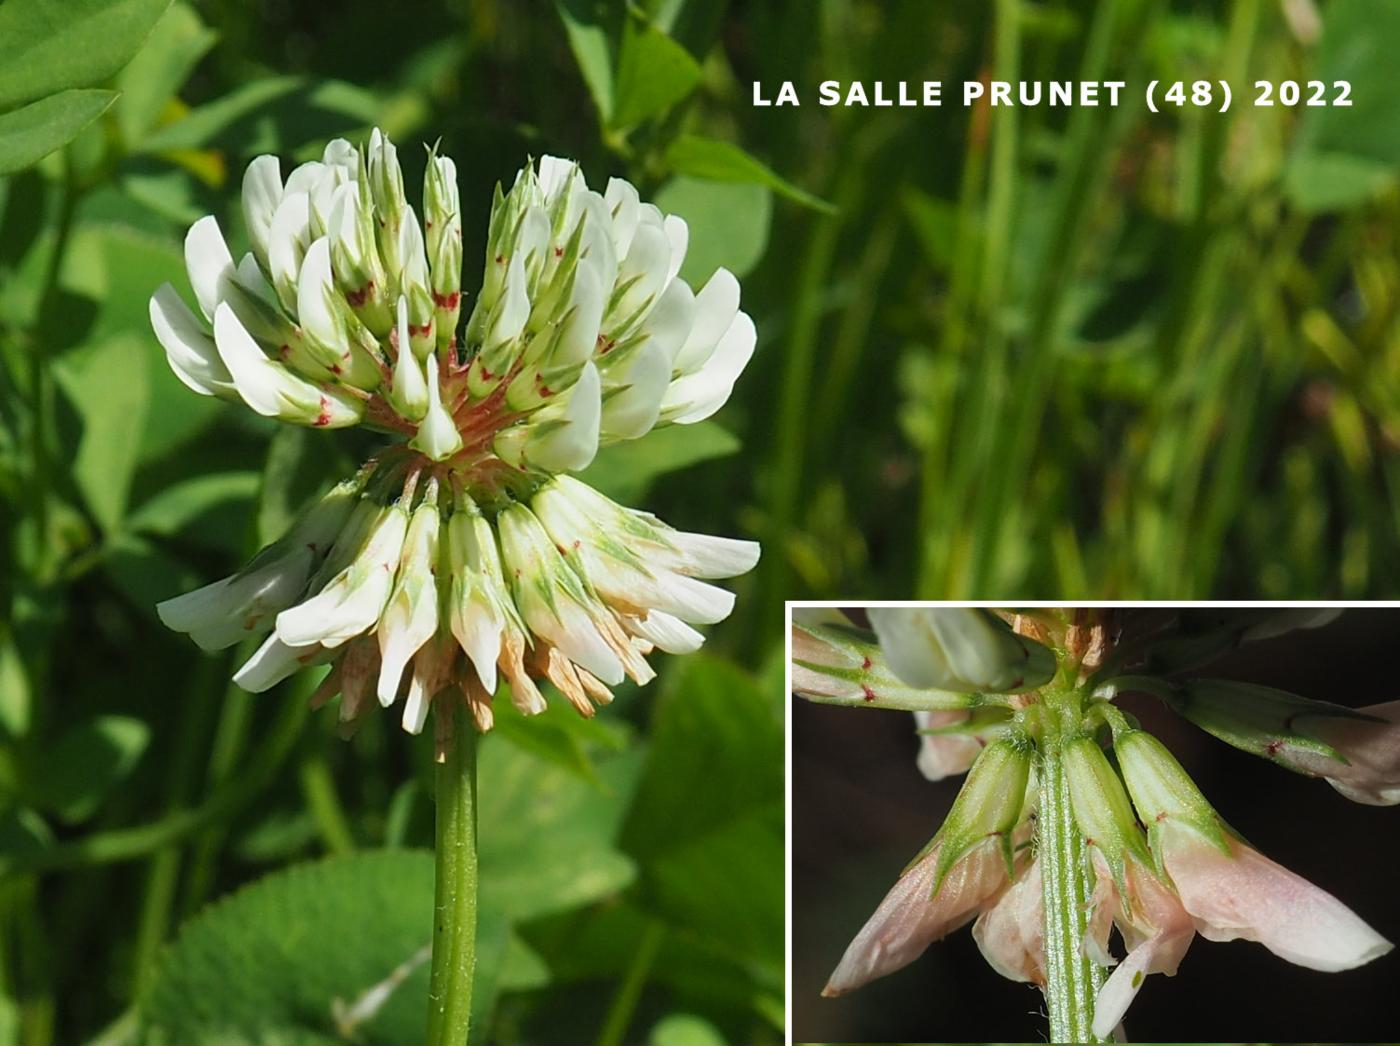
460,555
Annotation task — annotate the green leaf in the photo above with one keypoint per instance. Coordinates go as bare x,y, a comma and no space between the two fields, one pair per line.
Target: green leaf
211,510
268,963
126,267
52,45
625,471
109,397
726,162
276,115
29,134
684,1029
728,224
1345,154
717,754
653,74
586,22
546,839
177,43
73,777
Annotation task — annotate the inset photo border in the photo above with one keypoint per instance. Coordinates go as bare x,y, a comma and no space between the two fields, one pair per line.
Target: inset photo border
1154,775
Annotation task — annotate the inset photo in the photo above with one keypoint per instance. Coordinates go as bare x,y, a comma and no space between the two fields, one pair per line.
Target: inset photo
1006,820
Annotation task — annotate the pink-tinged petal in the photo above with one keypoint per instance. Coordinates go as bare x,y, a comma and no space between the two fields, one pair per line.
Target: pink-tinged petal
911,917
1156,928
1246,895
1371,773
944,755
1011,933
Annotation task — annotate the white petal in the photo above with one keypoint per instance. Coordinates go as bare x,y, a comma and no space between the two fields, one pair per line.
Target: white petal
678,234
697,396
408,387
315,312
437,435
668,633
416,704
1249,896
513,310
715,557
554,172
643,274
340,153
715,308
632,410
908,645
692,600
578,336
287,242
669,323
572,445
262,192
624,206
303,177
271,663
188,348
208,262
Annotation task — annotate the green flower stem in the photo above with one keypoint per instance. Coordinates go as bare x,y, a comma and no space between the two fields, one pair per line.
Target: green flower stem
454,913
1071,980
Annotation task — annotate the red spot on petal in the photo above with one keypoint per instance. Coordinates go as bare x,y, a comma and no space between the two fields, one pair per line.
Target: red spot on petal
866,663
559,252
324,418
869,694
1272,748
447,301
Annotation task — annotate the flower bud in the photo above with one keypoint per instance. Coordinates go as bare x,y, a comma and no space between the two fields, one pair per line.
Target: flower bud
957,648
1101,807
408,387
442,227
437,435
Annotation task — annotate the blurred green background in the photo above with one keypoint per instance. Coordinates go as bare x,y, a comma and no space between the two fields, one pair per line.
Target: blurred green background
1002,354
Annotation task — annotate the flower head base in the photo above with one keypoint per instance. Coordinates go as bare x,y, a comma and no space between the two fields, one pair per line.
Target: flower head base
460,555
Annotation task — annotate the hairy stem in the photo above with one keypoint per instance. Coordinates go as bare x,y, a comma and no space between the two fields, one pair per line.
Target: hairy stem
454,917
1071,980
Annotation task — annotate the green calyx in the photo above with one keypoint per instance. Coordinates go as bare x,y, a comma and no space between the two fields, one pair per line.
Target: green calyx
1163,792
1258,719
989,806
1102,808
